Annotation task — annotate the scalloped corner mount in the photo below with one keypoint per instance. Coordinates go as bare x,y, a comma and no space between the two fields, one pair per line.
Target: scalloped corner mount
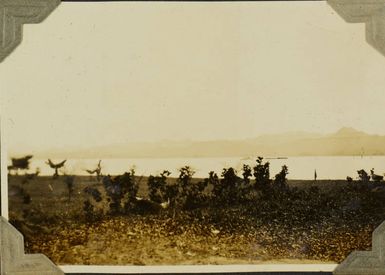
366,262
370,12
14,261
15,13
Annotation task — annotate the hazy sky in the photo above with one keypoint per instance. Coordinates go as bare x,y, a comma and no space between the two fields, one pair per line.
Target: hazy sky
103,73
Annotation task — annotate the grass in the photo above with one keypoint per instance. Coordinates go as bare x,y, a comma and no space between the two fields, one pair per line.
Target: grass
314,222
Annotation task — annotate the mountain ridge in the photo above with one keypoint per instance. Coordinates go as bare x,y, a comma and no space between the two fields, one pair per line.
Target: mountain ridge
346,141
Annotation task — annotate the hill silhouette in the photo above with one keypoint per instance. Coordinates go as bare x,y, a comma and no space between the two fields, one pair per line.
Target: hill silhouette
344,142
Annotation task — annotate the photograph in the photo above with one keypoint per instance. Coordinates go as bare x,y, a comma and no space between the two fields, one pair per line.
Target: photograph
194,133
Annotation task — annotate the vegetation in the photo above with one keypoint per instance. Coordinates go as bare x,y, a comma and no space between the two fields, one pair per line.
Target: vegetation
310,221
69,181
20,164
262,174
158,190
121,192
97,171
56,166
280,180
363,176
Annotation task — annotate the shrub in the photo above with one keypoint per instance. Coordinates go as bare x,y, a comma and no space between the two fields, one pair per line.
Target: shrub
121,192
91,213
26,196
262,174
227,190
184,184
158,190
231,184
69,181
183,194
363,176
191,194
280,180
247,173
214,182
94,193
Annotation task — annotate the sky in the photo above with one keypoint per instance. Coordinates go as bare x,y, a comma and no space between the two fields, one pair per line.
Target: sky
104,73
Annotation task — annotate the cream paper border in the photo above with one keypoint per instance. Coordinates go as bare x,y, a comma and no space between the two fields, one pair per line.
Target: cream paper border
3,169
199,268
15,13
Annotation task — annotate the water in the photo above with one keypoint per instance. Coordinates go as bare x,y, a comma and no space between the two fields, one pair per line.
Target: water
299,167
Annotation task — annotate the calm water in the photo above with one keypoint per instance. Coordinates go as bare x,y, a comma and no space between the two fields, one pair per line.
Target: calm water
299,167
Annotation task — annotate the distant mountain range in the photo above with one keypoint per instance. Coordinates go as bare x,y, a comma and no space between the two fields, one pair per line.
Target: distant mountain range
345,142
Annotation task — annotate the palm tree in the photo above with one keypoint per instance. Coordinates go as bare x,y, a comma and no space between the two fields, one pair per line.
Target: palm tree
97,171
20,163
56,166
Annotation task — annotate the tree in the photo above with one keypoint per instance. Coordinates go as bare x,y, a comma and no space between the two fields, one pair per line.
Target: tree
20,163
97,171
56,166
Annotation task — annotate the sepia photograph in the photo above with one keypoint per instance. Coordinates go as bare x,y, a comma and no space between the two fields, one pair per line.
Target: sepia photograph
190,133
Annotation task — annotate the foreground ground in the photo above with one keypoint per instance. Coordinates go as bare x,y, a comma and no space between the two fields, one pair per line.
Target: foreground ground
322,221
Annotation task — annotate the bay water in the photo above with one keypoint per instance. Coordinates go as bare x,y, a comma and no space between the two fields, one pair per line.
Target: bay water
327,167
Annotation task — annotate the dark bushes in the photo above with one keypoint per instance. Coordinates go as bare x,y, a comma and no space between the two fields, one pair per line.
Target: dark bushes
157,187
254,192
262,174
185,193
119,196
121,192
